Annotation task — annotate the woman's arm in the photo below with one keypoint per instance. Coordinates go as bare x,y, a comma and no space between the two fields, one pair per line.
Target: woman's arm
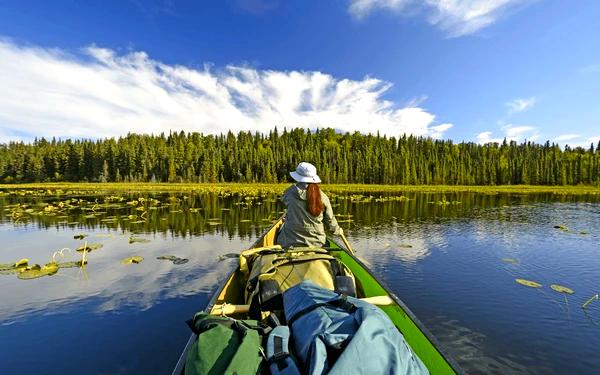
328,217
285,199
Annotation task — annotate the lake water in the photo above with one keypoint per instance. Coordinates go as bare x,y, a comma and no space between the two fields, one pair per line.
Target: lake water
452,258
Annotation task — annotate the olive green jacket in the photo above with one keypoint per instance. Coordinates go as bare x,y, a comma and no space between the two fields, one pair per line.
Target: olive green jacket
300,227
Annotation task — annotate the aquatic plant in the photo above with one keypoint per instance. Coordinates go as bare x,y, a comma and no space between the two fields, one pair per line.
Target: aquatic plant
20,263
73,264
586,303
90,247
60,253
173,258
36,271
132,260
229,256
561,289
133,239
531,284
510,260
16,267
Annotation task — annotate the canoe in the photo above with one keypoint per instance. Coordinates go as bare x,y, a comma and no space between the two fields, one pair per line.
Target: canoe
434,356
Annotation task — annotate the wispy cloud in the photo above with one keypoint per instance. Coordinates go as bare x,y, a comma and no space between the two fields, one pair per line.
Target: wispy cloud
521,104
566,137
455,17
518,133
48,93
576,140
362,8
416,101
593,68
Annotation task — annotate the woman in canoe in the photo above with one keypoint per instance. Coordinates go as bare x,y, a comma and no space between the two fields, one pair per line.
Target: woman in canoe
308,211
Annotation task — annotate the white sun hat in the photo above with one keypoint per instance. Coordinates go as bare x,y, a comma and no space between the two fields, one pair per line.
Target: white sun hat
306,172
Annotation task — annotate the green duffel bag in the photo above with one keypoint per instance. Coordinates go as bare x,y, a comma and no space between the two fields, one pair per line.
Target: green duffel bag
225,346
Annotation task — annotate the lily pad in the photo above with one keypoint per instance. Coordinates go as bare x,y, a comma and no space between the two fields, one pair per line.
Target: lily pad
167,257
89,247
9,266
138,240
561,227
510,260
229,256
77,263
531,284
173,258
36,271
561,289
132,260
405,246
80,236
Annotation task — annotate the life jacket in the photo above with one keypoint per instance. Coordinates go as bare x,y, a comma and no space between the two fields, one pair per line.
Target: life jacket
339,335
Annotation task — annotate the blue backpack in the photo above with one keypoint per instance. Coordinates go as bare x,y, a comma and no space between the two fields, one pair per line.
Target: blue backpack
334,334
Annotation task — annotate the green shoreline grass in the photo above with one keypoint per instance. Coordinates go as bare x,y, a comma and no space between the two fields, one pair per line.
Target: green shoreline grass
252,189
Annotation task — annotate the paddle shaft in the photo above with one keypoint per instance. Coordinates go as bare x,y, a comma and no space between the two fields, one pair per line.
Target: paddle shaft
346,243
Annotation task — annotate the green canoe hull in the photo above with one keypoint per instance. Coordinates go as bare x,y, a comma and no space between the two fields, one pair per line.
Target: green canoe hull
437,360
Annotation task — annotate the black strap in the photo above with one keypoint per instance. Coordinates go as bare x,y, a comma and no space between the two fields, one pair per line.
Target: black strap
273,320
341,303
236,325
335,267
279,354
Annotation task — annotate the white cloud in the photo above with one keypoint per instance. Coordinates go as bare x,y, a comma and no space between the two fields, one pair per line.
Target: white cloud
362,8
521,104
594,68
580,141
455,17
566,137
50,93
486,137
518,133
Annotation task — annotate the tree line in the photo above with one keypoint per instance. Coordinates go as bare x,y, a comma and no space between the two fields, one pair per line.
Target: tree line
257,157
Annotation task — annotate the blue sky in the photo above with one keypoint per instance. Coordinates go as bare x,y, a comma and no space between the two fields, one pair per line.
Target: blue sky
476,70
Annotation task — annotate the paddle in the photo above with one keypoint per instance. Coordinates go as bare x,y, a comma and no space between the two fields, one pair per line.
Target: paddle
347,244
227,309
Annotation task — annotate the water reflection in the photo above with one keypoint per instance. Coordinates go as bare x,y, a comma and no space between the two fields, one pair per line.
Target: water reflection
185,214
442,253
474,350
112,284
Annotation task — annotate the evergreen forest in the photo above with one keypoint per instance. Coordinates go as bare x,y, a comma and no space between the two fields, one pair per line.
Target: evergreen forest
256,157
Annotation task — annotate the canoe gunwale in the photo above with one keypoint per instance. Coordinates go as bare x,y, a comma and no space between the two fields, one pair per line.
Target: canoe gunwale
441,349
434,341
182,358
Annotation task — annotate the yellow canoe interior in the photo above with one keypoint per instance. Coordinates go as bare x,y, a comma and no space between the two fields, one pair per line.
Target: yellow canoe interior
421,341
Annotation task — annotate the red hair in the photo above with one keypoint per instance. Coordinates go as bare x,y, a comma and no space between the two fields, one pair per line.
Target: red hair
313,200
